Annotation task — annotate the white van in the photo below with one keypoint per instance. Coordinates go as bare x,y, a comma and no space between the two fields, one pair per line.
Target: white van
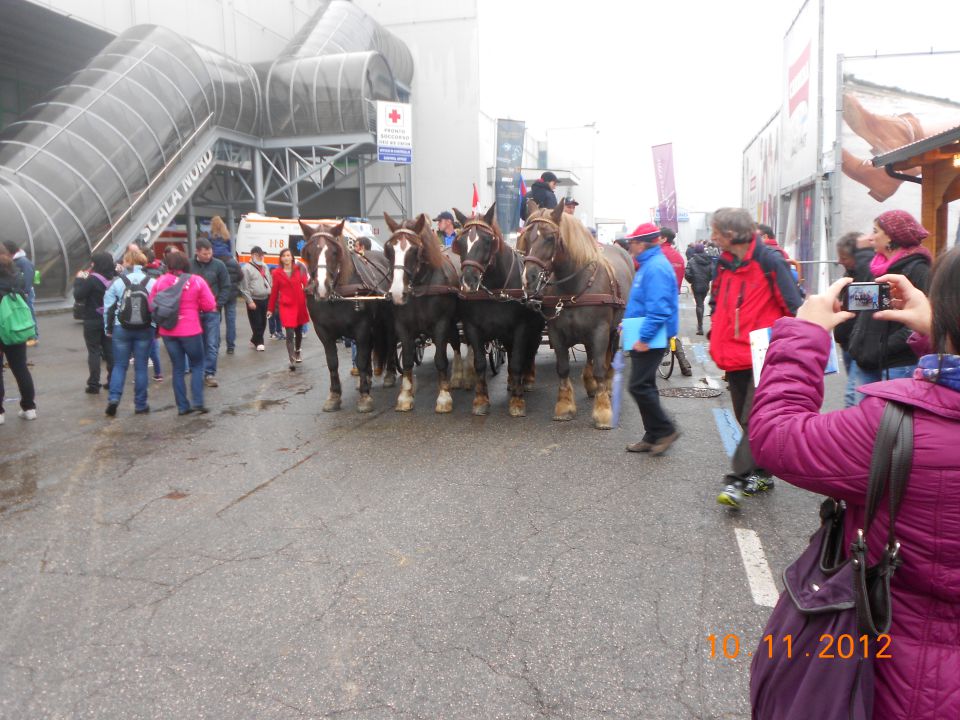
274,234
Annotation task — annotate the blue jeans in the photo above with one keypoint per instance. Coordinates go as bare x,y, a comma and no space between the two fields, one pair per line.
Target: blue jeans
155,355
211,343
850,391
230,313
137,343
865,377
274,323
180,349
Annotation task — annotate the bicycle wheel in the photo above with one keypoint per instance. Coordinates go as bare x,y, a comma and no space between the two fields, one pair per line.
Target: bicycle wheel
495,356
665,368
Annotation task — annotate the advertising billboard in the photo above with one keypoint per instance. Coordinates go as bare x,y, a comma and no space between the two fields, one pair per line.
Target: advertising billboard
509,159
761,174
800,111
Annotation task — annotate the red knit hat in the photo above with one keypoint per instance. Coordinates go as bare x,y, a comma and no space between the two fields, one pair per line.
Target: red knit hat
902,228
645,232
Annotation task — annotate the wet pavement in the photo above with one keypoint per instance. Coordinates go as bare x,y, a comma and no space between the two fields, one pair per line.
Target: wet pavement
268,560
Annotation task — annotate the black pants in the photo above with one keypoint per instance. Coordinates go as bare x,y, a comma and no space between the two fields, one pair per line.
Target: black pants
99,347
698,297
294,339
643,388
16,356
258,320
741,395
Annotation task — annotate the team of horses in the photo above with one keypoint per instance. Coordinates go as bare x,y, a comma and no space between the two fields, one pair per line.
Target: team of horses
558,277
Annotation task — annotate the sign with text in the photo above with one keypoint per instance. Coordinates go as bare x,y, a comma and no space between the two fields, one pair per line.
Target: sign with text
666,188
509,159
394,133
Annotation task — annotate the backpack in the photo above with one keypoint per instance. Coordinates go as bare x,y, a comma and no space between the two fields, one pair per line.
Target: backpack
16,321
166,304
133,310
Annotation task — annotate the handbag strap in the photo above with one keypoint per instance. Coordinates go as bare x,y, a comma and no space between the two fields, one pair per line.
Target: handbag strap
892,459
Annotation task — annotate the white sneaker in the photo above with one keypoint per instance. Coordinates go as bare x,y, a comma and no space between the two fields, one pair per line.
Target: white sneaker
3,418
260,348
28,414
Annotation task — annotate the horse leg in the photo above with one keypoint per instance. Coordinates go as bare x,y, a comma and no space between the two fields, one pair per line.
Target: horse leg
602,409
515,362
589,379
470,367
385,340
364,351
566,407
407,388
534,333
444,402
456,374
481,397
332,403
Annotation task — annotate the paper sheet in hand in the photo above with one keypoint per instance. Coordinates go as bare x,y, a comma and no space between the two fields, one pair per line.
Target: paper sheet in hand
760,341
630,334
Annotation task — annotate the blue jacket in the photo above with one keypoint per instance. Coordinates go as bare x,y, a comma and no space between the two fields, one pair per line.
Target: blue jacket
113,294
653,295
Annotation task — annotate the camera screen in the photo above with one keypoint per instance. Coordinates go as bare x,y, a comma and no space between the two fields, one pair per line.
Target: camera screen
864,297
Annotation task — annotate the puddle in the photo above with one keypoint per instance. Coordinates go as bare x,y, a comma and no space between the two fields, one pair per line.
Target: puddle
18,481
256,406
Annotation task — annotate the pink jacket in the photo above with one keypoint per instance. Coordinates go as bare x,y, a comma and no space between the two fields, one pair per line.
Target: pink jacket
830,454
196,298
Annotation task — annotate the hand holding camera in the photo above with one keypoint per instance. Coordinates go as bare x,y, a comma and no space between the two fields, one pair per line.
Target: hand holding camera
825,310
865,296
908,305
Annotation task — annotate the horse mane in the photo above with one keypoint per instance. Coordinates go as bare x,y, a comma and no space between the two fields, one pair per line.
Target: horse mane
347,267
431,248
579,243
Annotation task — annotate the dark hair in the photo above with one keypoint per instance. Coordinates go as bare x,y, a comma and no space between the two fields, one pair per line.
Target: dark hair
766,230
945,301
7,266
149,254
365,243
203,244
735,221
11,247
847,244
287,250
177,262
104,264
668,234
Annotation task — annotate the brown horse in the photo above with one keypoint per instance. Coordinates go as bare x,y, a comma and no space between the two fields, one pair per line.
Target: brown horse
581,290
423,289
336,274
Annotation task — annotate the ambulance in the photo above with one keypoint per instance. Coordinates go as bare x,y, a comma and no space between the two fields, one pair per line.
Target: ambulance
274,234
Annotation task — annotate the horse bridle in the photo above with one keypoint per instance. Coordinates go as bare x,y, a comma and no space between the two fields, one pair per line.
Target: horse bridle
481,267
410,233
546,266
313,271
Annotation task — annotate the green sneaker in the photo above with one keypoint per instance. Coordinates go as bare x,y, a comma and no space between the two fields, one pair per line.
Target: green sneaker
758,483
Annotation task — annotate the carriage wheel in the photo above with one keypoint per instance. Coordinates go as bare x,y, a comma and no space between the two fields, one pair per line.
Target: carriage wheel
496,356
665,369
418,351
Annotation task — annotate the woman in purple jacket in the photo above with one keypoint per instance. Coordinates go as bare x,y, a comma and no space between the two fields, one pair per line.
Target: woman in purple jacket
830,454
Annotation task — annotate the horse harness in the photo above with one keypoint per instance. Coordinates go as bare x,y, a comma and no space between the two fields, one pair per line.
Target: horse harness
366,289
485,293
419,291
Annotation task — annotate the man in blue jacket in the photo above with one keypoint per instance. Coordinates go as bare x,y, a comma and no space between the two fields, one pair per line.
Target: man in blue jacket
653,296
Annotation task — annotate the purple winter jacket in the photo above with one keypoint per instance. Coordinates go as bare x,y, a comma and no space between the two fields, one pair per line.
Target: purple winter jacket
830,454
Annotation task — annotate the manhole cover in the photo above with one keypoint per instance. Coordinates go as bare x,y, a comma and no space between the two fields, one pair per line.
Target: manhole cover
690,392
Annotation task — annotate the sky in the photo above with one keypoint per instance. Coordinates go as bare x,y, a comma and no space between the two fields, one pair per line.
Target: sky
701,74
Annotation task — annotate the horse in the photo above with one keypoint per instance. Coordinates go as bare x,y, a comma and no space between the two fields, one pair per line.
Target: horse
492,307
581,291
423,289
337,273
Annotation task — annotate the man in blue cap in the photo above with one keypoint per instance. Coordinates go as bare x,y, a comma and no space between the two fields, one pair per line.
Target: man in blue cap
445,229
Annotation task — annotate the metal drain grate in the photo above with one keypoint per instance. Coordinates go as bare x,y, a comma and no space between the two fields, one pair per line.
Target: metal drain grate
690,392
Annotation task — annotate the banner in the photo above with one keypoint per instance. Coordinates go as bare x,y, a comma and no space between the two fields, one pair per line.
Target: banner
761,174
509,158
800,100
666,191
394,133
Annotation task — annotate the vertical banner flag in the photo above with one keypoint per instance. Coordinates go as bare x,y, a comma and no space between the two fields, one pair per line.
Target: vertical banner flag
509,158
394,133
475,202
666,192
521,197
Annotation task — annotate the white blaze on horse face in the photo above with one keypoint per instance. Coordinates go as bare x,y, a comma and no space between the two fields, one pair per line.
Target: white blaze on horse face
322,275
396,287
472,238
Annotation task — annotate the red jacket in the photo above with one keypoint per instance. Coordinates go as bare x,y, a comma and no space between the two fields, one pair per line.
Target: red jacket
676,259
748,295
830,454
293,301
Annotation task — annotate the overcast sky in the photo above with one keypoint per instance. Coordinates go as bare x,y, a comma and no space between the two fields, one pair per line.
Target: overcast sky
702,74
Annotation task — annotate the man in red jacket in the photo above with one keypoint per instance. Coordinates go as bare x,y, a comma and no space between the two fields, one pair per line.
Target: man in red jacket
753,288
667,238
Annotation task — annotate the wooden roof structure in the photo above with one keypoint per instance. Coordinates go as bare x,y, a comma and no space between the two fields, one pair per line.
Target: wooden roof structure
938,158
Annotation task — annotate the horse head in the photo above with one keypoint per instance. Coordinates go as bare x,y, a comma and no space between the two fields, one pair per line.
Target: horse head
478,244
326,257
542,246
407,250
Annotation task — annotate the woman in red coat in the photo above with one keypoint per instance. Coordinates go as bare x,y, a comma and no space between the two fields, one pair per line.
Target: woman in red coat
289,281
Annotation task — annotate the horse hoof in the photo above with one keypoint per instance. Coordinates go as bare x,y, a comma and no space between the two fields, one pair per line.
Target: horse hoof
564,417
481,409
518,408
331,405
602,425
365,404
389,380
528,387
404,406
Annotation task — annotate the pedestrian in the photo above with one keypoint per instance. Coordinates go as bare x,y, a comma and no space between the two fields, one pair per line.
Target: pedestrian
830,454
89,287
255,284
752,289
216,277
154,269
130,338
570,206
667,239
288,300
235,273
542,192
854,253
653,296
29,272
13,282
699,274
219,237
879,347
445,230
185,340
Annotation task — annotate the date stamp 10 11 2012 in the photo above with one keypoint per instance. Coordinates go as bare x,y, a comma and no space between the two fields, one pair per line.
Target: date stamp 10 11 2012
829,647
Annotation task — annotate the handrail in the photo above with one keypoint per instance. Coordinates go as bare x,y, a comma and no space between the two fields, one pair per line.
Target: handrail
146,191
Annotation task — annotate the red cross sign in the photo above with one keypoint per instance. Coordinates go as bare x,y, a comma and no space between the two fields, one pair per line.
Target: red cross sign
394,116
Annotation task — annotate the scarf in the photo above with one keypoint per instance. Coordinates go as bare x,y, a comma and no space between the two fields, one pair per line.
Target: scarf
939,369
881,265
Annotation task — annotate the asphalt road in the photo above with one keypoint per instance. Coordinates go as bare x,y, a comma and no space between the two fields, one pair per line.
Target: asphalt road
271,561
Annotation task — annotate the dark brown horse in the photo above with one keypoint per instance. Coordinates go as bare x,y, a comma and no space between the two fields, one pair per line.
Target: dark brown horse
582,291
423,289
337,273
491,275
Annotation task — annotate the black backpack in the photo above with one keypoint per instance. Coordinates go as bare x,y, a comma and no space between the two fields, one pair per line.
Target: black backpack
166,304
133,309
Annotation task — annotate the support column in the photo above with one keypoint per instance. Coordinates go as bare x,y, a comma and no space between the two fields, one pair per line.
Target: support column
408,190
191,229
362,183
258,195
295,201
232,227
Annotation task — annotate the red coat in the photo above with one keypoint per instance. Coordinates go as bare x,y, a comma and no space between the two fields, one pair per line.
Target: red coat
676,259
830,454
293,300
